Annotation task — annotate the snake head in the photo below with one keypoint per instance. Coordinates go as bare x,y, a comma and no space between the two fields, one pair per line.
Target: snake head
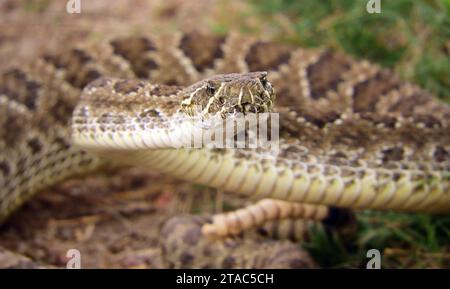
226,94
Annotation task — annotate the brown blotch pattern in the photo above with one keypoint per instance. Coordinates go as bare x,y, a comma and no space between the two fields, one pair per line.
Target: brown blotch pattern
149,113
99,82
325,74
367,93
427,120
134,49
77,65
263,56
128,86
323,119
62,142
17,128
4,168
186,259
61,111
202,49
16,85
229,262
352,134
192,236
407,104
379,119
441,154
392,154
35,145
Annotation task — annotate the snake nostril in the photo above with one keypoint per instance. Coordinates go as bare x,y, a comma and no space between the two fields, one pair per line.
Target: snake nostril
264,81
248,107
210,89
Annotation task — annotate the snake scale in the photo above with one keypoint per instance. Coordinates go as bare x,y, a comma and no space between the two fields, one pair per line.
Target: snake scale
352,134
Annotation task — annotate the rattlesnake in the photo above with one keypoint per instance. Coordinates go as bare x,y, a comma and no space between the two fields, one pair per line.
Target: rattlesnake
352,135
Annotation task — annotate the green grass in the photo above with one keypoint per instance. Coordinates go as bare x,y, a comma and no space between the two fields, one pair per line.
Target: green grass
404,241
409,37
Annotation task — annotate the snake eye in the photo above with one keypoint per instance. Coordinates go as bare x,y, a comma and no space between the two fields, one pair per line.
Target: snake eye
264,81
210,89
266,84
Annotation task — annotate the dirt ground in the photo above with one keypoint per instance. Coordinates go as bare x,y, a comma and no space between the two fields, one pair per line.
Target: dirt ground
29,27
113,219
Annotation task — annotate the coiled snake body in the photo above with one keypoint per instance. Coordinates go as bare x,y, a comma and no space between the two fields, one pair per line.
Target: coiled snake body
352,135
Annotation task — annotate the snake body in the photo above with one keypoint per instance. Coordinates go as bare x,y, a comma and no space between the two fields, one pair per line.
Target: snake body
352,135
140,132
